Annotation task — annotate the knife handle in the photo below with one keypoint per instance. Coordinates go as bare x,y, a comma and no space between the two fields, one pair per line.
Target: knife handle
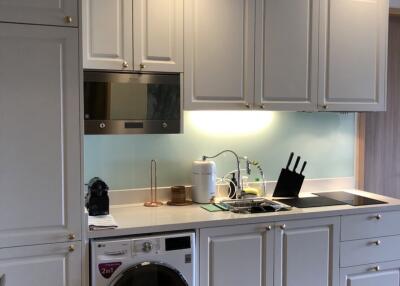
290,160
296,164
303,167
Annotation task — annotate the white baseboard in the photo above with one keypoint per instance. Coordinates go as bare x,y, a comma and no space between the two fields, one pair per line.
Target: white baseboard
138,196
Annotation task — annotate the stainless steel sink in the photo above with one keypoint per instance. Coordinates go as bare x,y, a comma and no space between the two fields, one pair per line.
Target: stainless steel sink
254,205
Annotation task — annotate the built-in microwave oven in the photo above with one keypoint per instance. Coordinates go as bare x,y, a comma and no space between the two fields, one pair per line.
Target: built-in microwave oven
126,103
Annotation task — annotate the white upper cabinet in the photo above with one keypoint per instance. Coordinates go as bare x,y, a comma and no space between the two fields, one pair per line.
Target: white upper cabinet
353,51
158,35
237,255
45,12
107,34
40,181
287,54
140,35
219,54
57,264
303,55
307,252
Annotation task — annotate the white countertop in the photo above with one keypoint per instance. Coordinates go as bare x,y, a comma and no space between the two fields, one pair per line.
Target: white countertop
137,219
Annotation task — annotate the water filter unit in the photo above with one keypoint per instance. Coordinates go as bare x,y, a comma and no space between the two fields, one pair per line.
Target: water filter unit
204,181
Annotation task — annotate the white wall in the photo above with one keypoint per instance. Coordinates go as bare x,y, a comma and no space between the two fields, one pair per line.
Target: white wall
394,3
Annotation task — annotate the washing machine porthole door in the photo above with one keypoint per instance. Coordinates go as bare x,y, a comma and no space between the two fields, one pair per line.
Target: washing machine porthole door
150,274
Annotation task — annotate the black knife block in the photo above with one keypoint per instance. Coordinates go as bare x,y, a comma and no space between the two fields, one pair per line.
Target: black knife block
289,184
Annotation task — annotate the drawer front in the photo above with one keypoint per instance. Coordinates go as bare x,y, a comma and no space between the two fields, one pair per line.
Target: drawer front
370,225
370,250
381,274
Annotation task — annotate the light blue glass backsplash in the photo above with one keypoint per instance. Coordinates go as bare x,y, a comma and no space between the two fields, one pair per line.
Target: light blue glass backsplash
325,140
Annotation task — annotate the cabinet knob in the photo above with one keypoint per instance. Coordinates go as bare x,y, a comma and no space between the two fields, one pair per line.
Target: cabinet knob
142,66
377,242
71,236
71,248
164,125
268,227
283,226
262,106
378,216
68,19
125,64
375,268
247,105
325,106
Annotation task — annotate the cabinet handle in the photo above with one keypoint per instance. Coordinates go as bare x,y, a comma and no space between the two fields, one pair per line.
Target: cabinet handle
125,64
377,217
377,242
142,66
247,105
71,236
375,268
266,228
68,19
283,226
71,248
262,106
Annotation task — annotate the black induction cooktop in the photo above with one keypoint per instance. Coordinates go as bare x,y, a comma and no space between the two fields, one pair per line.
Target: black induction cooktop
350,199
329,199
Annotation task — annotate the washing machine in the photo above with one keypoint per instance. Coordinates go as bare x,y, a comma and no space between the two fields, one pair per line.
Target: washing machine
156,260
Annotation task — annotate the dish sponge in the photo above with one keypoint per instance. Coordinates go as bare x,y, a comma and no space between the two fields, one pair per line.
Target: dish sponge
251,191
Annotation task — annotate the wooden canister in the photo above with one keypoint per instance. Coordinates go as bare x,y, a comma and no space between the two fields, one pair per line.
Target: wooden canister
178,196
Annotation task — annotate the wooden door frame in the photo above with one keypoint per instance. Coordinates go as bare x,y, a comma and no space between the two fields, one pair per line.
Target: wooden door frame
359,154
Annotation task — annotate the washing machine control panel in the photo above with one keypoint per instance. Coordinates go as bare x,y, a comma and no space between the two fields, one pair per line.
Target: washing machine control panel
146,246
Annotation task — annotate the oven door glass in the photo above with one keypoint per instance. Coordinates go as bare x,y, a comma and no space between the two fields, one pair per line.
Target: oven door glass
118,101
150,274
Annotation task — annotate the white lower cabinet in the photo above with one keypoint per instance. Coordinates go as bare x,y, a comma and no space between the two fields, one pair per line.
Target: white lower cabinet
381,274
307,252
369,252
237,255
57,264
292,253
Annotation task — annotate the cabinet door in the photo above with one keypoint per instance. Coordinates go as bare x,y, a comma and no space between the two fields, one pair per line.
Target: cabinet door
236,256
219,54
307,252
45,12
353,51
287,54
39,135
384,274
56,264
158,35
107,34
